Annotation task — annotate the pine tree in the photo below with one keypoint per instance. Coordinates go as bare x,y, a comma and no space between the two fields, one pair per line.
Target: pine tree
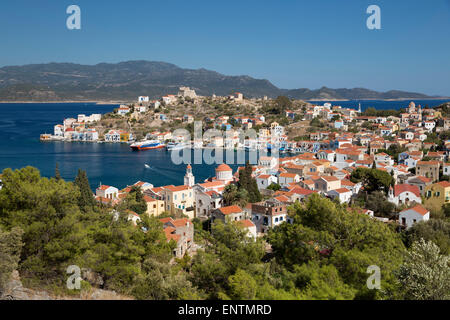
57,174
86,198
248,183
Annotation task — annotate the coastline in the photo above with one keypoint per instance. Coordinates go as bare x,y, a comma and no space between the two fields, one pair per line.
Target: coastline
100,102
373,99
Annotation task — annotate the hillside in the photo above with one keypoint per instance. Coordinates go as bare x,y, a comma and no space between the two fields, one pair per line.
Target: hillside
127,80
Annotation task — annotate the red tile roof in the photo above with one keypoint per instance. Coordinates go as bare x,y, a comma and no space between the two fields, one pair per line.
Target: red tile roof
419,209
230,209
400,188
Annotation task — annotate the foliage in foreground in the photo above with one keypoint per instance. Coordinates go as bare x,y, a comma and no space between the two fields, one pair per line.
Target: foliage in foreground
48,224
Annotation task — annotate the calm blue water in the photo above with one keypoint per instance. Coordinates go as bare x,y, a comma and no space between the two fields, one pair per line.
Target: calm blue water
110,163
113,164
381,104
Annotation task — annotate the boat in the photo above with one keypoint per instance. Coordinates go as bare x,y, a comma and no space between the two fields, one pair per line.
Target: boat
147,145
147,166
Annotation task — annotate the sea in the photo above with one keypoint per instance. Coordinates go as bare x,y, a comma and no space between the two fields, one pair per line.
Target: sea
106,163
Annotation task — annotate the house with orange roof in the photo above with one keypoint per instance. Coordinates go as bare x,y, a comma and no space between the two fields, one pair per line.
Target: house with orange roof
353,187
341,194
307,184
206,201
286,178
294,168
249,226
229,213
408,217
107,192
179,199
133,217
420,182
182,232
300,194
404,194
429,169
327,183
268,214
155,207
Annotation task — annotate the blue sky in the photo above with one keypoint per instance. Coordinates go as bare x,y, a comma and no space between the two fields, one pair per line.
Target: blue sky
294,44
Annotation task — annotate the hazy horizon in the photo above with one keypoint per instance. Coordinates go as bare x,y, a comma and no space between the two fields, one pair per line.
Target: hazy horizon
294,44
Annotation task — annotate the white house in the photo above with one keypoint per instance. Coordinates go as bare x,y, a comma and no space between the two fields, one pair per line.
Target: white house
107,192
169,99
429,125
143,99
58,130
112,136
326,155
342,194
408,217
206,201
123,110
404,194
249,226
286,178
384,159
133,217
268,162
265,180
446,169
140,109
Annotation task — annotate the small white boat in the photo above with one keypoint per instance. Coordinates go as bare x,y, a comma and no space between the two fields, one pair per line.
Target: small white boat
147,166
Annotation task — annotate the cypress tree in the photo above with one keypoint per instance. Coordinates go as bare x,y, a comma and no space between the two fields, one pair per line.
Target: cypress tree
57,174
86,198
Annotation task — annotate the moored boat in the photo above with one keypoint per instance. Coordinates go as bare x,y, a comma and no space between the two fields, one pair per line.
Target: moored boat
147,145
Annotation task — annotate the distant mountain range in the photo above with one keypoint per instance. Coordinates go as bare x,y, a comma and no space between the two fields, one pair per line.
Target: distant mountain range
128,80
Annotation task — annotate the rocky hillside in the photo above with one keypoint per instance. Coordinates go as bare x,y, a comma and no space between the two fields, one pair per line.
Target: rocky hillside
127,80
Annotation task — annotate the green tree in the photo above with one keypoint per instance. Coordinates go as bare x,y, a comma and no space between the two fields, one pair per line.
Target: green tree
86,197
57,174
10,248
434,230
274,186
330,234
372,179
242,286
425,274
